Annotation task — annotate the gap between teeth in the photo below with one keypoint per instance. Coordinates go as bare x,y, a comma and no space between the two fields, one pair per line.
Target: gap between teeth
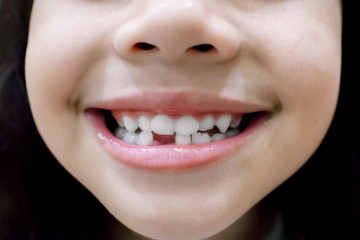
187,129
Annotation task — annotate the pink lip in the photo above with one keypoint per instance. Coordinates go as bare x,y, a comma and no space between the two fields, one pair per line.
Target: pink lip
167,157
180,103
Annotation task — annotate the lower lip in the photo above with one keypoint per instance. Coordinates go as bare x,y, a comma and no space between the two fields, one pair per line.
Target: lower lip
168,157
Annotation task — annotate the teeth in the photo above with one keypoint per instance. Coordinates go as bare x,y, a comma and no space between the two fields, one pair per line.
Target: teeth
232,133
235,122
130,124
139,130
120,132
163,125
182,139
145,138
130,138
207,123
144,123
223,122
186,125
198,138
121,124
217,137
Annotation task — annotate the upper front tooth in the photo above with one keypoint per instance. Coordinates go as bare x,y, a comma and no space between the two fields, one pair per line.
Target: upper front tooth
130,124
207,123
163,125
223,122
144,123
186,125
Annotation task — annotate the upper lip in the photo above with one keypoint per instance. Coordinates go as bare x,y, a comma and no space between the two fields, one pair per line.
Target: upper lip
181,103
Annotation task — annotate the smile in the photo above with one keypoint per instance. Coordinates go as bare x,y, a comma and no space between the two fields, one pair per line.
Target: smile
146,129
167,135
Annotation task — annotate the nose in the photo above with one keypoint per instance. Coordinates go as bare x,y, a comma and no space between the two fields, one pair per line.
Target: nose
175,30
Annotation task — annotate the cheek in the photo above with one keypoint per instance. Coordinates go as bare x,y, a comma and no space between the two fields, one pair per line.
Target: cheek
305,66
310,78
54,65
54,71
304,69
62,47
50,82
60,52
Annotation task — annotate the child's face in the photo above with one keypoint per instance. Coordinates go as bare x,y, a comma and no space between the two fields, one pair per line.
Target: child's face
278,59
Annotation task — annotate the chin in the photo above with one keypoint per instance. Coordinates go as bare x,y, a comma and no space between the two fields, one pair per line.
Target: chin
179,226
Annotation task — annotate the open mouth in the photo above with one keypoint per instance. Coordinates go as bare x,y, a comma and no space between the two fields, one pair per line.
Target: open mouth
160,141
150,129
166,131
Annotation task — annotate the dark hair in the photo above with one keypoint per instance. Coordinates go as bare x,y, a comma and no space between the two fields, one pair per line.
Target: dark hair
40,200
322,200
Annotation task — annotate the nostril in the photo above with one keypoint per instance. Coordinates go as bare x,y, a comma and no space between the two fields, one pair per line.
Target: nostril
143,46
203,47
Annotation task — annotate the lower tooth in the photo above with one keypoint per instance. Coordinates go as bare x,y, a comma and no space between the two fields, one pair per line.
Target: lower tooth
217,137
232,133
144,138
130,138
120,132
182,139
199,138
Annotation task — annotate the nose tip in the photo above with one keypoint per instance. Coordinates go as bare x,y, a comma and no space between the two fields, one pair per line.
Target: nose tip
173,30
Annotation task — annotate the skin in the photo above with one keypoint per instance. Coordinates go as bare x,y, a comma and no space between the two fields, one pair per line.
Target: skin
279,53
